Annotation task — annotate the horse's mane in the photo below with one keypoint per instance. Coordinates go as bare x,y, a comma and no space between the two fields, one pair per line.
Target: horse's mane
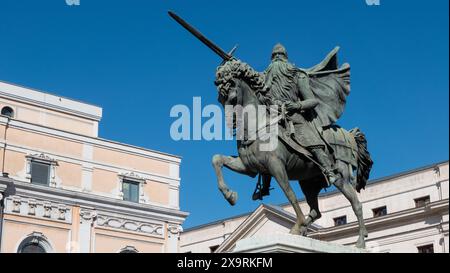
239,70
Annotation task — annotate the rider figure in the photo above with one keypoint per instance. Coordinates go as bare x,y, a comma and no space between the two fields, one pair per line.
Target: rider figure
289,88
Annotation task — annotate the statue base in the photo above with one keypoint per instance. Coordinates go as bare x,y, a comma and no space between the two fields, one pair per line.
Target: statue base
288,243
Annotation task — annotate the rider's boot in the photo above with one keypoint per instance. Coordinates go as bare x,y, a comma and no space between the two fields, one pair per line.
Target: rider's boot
325,162
264,190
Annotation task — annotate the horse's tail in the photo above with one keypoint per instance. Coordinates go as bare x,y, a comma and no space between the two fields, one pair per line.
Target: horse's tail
364,161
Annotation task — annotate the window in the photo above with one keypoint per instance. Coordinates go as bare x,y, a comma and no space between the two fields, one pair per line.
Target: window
8,111
426,249
422,201
35,243
40,173
130,190
339,221
129,249
381,211
41,170
213,248
32,248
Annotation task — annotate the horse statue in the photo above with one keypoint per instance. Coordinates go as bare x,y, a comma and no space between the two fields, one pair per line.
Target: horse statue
239,85
242,87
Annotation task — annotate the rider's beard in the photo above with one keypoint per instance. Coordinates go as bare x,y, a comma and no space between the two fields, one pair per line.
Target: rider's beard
280,77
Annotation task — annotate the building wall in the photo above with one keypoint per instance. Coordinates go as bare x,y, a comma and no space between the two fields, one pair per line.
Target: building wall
201,240
403,229
89,167
49,110
82,209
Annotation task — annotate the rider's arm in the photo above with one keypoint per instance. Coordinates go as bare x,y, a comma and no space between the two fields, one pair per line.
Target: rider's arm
309,101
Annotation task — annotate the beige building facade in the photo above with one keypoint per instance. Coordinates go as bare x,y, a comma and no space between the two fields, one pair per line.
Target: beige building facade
407,213
65,189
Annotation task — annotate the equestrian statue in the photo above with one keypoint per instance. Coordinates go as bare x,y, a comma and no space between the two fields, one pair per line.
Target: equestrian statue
311,148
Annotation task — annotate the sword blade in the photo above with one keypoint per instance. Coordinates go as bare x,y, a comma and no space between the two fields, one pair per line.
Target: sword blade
225,56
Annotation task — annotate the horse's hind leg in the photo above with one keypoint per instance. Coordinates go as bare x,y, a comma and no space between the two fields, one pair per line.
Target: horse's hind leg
311,190
234,164
349,192
278,170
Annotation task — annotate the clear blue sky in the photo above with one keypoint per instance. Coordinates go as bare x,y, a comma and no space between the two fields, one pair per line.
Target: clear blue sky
133,60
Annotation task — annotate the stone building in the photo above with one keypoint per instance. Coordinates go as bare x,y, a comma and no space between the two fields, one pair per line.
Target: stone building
65,189
405,212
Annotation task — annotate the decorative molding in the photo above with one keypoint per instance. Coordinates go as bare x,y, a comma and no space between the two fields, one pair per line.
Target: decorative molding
174,229
47,209
16,204
32,207
128,249
437,171
42,158
133,177
87,215
62,212
130,225
36,238
143,212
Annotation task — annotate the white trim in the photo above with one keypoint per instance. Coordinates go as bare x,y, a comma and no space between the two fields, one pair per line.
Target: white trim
133,178
99,142
128,248
174,171
43,241
43,159
49,101
146,211
12,107
94,164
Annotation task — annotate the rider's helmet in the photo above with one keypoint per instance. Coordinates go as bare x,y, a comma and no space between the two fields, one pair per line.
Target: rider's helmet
279,49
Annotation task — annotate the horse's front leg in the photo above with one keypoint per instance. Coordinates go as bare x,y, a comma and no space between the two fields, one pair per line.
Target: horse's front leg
234,164
278,170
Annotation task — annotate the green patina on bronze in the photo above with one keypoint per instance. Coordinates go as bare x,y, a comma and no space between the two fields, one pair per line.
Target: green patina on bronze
312,148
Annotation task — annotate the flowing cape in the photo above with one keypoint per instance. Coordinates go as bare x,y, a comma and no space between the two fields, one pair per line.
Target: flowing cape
331,86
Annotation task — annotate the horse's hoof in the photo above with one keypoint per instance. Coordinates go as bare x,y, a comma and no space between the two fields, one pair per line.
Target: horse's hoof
365,233
295,231
232,198
303,231
361,244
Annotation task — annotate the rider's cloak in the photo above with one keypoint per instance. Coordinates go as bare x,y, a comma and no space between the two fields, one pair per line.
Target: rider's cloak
331,86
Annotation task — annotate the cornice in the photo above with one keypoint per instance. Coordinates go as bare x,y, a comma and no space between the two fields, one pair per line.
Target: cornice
377,223
100,203
95,141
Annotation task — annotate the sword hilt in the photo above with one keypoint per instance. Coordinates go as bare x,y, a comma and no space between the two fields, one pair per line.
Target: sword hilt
230,53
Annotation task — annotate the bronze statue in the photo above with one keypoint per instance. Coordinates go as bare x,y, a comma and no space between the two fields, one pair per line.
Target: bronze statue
312,148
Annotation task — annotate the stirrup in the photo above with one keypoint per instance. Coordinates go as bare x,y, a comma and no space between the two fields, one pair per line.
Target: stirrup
260,192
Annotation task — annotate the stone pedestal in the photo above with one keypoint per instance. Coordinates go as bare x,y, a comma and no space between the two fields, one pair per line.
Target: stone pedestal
287,243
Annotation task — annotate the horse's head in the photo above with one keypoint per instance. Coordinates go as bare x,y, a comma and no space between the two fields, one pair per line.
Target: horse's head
232,77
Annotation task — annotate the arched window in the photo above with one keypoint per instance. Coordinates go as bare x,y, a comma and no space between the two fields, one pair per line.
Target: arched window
35,243
32,247
128,249
8,111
